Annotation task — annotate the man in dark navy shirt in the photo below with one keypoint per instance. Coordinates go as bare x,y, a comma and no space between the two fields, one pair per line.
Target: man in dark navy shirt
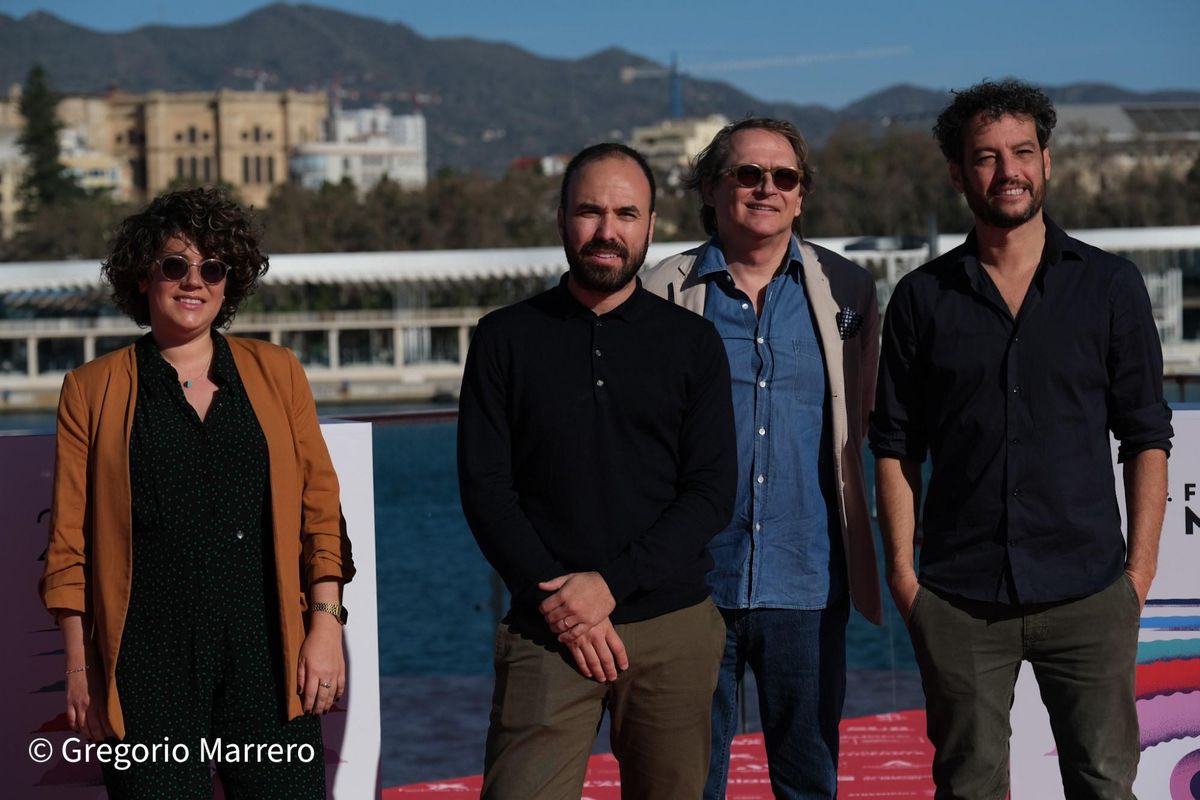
596,459
1009,360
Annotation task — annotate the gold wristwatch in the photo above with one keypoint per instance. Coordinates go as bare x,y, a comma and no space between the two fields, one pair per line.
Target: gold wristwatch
337,609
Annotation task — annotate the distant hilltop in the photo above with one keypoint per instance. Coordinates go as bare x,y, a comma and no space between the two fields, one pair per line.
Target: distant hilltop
486,103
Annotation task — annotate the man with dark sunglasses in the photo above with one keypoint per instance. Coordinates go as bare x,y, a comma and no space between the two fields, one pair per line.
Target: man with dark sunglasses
800,327
596,460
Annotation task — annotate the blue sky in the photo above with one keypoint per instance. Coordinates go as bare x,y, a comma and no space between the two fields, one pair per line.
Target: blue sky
832,52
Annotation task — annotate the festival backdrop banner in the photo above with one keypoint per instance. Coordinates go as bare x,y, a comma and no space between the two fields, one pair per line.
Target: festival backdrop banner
1167,682
39,760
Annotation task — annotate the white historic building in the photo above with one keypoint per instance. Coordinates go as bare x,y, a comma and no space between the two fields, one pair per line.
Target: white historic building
365,145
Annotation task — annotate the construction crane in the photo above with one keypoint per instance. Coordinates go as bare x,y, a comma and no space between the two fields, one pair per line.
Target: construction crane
362,88
260,76
675,76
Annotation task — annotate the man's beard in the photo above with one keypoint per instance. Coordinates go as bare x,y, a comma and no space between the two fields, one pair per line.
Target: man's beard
602,278
1003,219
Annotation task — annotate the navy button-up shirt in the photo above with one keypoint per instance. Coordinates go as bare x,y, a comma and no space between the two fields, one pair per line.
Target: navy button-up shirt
783,547
1016,415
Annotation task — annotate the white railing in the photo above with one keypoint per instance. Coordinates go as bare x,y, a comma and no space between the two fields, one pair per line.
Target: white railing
420,349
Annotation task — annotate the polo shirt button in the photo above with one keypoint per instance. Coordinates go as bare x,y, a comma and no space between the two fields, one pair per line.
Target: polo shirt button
600,382
597,352
240,535
760,340
1016,390
758,526
745,306
762,384
761,478
762,431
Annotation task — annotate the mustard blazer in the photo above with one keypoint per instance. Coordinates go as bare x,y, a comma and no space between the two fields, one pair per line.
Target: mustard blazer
89,560
833,283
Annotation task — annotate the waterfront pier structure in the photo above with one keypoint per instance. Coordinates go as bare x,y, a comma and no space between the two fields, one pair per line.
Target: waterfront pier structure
395,326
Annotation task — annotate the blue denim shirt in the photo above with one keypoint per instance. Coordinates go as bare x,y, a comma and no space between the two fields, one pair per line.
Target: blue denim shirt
782,548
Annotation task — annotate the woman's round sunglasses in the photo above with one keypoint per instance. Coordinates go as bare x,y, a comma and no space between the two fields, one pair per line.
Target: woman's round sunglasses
751,176
174,268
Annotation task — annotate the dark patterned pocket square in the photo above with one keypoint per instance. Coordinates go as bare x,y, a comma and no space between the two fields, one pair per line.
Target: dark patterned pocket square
849,323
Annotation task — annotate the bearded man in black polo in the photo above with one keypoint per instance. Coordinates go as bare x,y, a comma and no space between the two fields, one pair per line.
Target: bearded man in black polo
596,460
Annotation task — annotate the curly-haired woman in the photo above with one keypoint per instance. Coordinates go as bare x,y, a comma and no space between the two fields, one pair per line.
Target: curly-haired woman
195,519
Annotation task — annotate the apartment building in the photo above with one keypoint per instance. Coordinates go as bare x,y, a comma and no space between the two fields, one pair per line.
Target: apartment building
12,166
365,145
672,143
240,138
154,139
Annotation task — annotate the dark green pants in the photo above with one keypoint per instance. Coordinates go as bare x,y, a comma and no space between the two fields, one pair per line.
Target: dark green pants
545,714
1083,653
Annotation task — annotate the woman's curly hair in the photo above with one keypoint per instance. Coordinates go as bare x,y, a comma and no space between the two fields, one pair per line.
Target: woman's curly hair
206,216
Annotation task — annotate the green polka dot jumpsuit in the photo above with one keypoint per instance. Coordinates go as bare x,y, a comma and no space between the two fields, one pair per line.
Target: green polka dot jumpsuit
200,656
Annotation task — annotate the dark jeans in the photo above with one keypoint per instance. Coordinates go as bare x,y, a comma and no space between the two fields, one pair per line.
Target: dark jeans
799,664
1083,653
545,713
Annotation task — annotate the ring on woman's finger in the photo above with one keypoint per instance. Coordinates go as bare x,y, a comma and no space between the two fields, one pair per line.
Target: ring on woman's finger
326,684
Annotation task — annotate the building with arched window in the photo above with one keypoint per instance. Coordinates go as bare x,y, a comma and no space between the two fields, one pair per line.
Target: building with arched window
159,138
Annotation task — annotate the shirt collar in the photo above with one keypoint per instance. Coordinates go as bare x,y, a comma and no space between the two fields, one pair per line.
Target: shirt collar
1058,248
153,369
565,304
224,368
157,372
711,260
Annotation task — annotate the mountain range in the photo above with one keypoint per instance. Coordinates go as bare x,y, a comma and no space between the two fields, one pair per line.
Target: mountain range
485,102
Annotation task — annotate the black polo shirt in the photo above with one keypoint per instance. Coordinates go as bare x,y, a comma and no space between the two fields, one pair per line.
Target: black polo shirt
1016,415
600,443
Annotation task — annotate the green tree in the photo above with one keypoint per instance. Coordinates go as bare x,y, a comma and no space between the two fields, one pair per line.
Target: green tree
81,227
1192,194
678,213
869,183
285,220
45,183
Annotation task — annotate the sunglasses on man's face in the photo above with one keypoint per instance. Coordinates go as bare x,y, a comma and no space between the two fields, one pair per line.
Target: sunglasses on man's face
751,176
175,268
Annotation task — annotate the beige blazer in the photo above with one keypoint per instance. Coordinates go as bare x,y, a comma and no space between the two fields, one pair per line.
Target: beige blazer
833,283
89,560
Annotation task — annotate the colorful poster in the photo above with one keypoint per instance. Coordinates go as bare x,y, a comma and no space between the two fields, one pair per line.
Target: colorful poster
1168,659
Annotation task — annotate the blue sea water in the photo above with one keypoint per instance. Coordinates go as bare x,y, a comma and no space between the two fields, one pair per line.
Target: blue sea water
439,600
